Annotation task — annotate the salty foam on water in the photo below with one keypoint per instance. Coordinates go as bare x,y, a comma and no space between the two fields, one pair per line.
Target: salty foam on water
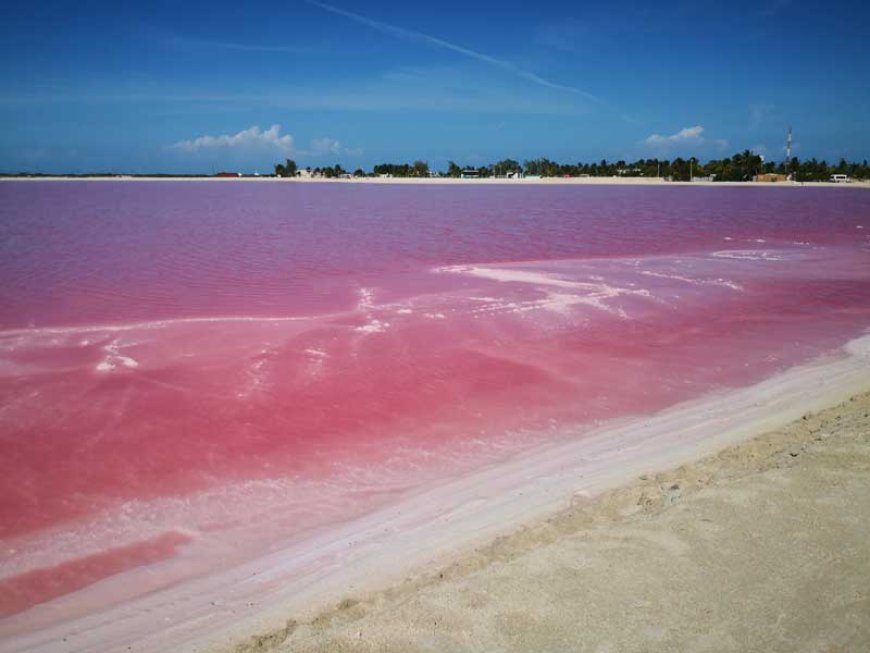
748,255
697,281
373,326
245,432
115,359
593,294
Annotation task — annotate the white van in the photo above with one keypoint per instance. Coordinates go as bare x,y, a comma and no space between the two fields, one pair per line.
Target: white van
840,179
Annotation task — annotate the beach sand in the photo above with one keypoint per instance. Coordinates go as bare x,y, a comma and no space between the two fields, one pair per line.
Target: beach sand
764,546
527,181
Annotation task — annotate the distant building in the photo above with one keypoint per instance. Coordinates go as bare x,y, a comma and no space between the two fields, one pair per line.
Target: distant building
469,173
228,174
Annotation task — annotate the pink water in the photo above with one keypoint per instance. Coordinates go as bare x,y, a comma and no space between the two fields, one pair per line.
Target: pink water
204,371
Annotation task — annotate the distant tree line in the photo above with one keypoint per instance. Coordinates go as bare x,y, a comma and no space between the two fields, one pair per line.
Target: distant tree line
416,169
286,169
742,166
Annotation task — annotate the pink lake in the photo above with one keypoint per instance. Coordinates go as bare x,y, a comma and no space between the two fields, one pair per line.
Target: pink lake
193,374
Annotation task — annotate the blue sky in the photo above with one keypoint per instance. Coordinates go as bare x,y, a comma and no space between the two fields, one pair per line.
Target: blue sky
167,86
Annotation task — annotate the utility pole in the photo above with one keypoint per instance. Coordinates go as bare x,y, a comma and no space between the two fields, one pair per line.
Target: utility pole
691,168
788,151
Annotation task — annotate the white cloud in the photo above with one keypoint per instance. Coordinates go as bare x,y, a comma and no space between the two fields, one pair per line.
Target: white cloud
329,146
250,138
254,139
325,146
686,136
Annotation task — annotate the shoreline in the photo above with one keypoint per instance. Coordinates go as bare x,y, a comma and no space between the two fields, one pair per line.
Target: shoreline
761,546
439,181
439,525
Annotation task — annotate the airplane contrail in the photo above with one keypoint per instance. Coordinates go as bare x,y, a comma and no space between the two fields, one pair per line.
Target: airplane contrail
420,37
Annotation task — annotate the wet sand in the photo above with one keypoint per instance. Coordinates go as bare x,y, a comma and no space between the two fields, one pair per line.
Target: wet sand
762,546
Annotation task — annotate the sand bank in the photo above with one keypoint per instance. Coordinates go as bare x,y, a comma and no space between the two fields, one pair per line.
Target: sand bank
443,527
582,181
762,547
435,181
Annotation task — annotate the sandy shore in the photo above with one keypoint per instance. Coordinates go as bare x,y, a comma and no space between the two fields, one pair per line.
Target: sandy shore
589,558
546,181
764,546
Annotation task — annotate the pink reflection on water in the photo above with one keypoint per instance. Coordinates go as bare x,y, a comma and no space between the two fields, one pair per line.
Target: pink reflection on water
246,363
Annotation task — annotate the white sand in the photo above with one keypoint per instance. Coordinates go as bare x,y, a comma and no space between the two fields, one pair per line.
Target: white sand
545,181
432,526
764,546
